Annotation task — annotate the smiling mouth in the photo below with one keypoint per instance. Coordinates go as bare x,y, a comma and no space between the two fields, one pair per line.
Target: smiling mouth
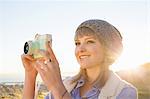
83,56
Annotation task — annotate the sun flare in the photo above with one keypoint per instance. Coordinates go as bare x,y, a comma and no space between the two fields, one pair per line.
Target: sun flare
130,59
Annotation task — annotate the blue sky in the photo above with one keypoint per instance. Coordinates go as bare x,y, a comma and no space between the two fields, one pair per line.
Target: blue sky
21,20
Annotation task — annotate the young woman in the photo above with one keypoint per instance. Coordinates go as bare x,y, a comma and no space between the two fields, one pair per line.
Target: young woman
98,45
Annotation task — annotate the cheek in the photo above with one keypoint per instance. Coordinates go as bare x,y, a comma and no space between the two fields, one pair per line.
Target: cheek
99,54
76,52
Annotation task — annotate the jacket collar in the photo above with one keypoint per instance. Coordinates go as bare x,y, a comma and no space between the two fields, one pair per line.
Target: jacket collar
111,85
108,90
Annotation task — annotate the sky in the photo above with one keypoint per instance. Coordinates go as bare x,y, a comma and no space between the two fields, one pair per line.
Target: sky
20,20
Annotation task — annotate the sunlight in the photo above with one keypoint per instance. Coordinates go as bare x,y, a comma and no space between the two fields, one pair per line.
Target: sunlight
131,58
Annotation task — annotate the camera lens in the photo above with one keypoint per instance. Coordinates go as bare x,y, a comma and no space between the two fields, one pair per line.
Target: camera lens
26,48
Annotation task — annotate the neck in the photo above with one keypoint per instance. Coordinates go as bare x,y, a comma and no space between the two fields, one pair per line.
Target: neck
92,73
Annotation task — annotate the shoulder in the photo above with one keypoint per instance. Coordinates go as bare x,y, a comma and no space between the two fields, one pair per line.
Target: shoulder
69,84
128,92
115,85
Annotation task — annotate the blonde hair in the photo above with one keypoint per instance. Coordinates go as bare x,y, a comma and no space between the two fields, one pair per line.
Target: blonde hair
111,40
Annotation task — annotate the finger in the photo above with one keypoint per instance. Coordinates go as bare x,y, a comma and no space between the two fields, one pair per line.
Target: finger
41,66
37,67
29,57
48,61
45,66
50,52
40,71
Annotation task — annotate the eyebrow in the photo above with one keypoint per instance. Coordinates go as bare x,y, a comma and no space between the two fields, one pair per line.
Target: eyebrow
91,37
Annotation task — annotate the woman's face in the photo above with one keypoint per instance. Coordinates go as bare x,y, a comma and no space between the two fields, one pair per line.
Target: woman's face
88,51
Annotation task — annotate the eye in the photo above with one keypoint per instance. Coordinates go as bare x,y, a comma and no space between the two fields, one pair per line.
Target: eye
90,41
77,43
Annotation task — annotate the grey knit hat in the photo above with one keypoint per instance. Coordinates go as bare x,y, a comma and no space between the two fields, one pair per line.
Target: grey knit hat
107,34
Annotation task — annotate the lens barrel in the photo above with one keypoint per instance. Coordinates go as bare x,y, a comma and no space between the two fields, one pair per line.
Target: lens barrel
26,48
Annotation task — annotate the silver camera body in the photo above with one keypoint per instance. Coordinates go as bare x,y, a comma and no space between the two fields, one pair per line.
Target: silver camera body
39,43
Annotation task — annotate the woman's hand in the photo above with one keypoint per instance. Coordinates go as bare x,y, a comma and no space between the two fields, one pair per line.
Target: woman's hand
49,70
29,62
30,76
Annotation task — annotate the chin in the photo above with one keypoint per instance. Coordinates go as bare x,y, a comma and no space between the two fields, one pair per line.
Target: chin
84,66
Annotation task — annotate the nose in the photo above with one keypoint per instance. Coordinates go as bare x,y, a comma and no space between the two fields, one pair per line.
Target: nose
82,48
